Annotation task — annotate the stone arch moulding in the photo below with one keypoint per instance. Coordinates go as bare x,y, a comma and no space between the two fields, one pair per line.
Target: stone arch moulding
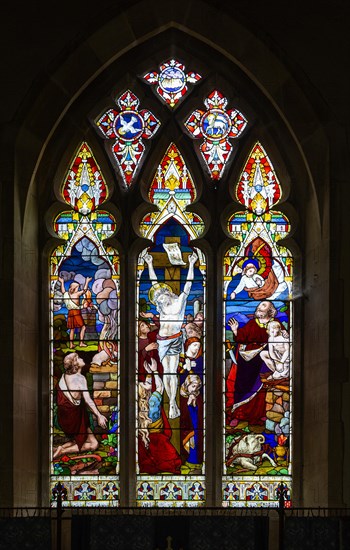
64,96
61,92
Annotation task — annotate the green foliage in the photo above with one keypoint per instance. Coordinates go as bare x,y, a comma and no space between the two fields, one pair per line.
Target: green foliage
90,381
55,417
143,305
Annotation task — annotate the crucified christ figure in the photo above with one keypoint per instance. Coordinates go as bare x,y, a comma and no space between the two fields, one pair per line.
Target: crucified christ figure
171,308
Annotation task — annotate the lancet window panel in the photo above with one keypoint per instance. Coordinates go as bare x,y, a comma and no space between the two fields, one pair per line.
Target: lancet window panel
170,363
257,349
84,343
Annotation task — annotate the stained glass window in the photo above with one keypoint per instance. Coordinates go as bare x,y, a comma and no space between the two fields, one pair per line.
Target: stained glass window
172,81
128,127
170,337
258,335
170,342
84,328
215,127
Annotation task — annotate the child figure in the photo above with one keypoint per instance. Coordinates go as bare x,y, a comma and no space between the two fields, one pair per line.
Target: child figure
72,302
277,356
250,278
87,302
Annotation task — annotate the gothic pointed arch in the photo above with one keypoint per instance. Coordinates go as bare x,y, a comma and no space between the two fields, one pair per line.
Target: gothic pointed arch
262,92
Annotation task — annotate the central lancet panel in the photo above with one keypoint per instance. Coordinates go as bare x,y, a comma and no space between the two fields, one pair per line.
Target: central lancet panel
170,343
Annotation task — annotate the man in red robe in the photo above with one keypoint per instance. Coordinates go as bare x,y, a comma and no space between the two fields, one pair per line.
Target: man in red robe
72,398
245,397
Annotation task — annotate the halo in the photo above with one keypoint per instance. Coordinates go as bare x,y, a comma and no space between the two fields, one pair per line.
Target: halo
251,261
156,287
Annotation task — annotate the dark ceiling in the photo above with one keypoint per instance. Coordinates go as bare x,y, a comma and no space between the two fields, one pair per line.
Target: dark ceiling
312,36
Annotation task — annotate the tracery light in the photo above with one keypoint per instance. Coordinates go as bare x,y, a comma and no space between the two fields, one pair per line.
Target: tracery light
128,127
170,373
84,330
172,81
216,126
84,188
257,343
